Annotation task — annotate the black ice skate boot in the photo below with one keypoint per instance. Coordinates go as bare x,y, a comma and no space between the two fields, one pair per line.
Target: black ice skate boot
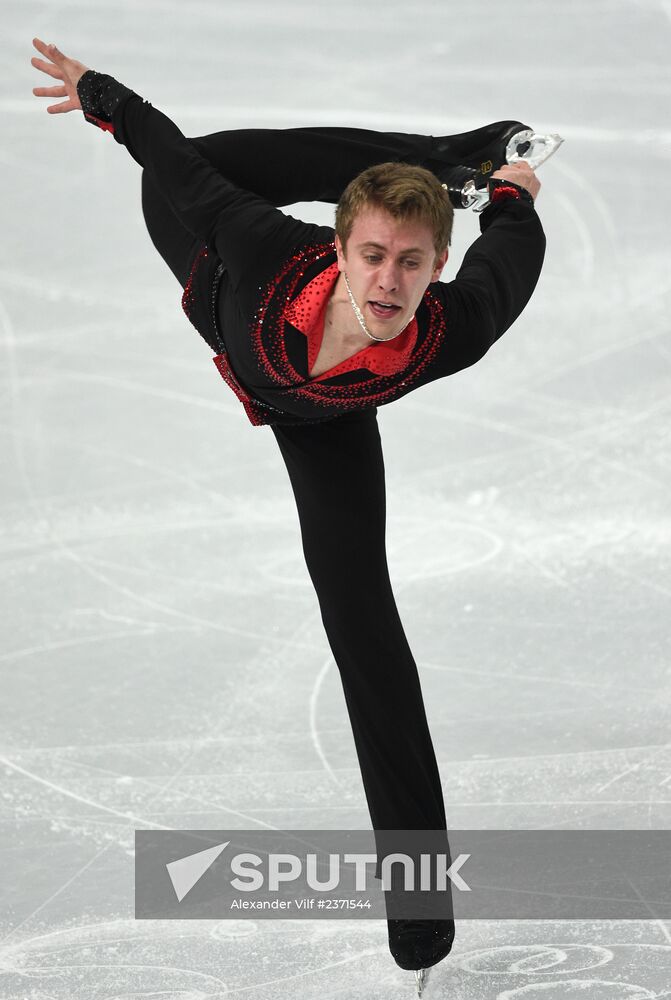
464,162
420,944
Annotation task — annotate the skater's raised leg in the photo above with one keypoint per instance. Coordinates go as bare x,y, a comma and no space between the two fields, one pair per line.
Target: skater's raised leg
285,166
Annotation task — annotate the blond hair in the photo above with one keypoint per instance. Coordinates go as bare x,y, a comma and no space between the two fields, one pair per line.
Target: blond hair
406,192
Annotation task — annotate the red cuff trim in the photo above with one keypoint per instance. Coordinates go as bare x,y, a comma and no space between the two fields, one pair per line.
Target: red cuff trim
505,192
105,126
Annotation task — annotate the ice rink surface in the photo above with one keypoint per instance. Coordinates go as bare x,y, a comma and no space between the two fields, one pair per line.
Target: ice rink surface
163,660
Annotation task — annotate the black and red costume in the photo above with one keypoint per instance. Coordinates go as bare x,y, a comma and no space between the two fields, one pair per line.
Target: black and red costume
255,282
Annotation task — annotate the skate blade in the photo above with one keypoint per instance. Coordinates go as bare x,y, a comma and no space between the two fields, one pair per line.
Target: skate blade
527,146
421,977
532,147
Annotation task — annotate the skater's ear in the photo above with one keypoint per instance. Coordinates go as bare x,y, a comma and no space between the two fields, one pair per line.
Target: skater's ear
440,262
340,251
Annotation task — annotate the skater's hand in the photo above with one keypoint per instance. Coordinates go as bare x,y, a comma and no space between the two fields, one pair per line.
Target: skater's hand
62,68
520,173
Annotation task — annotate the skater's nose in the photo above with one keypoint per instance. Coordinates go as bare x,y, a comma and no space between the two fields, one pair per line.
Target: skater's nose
387,277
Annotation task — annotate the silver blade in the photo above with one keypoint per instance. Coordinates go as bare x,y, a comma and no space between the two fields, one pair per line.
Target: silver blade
421,976
541,149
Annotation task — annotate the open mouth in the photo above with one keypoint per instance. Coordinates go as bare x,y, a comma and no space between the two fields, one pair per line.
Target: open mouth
383,310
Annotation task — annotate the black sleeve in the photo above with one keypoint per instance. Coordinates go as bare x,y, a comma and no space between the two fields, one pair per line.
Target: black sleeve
495,281
250,235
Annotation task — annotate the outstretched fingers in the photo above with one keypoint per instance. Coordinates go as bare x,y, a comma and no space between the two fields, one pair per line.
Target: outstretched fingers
50,50
55,66
50,92
59,66
47,68
57,109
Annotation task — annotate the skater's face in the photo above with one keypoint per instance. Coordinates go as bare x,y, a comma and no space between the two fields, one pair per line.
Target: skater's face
388,261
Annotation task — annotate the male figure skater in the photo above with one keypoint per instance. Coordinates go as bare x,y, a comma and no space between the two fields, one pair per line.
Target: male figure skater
313,331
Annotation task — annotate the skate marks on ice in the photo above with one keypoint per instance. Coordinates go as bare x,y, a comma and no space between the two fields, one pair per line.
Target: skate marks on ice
185,960
563,971
173,960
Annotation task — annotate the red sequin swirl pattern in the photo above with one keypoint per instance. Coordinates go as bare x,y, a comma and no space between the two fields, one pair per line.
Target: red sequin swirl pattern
370,389
256,413
187,296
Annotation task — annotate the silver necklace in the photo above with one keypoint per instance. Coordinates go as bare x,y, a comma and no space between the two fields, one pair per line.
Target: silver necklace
362,322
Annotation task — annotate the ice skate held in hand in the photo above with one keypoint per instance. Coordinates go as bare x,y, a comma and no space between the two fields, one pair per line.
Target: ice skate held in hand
507,150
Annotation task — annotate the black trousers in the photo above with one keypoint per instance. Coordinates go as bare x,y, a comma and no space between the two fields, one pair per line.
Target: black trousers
336,471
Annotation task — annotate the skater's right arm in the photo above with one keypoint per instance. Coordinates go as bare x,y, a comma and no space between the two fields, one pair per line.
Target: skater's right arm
250,235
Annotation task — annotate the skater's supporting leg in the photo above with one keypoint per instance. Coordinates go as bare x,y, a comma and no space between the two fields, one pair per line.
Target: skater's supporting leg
337,474
336,470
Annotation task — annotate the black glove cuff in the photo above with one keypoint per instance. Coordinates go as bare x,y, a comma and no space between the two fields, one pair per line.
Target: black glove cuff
99,96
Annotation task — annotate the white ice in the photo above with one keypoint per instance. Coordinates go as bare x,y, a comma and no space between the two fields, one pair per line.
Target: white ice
163,660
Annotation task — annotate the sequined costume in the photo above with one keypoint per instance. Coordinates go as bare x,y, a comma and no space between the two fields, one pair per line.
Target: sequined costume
211,208
256,259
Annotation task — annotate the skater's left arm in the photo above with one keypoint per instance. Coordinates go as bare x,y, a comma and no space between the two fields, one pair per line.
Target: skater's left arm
497,277
249,234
